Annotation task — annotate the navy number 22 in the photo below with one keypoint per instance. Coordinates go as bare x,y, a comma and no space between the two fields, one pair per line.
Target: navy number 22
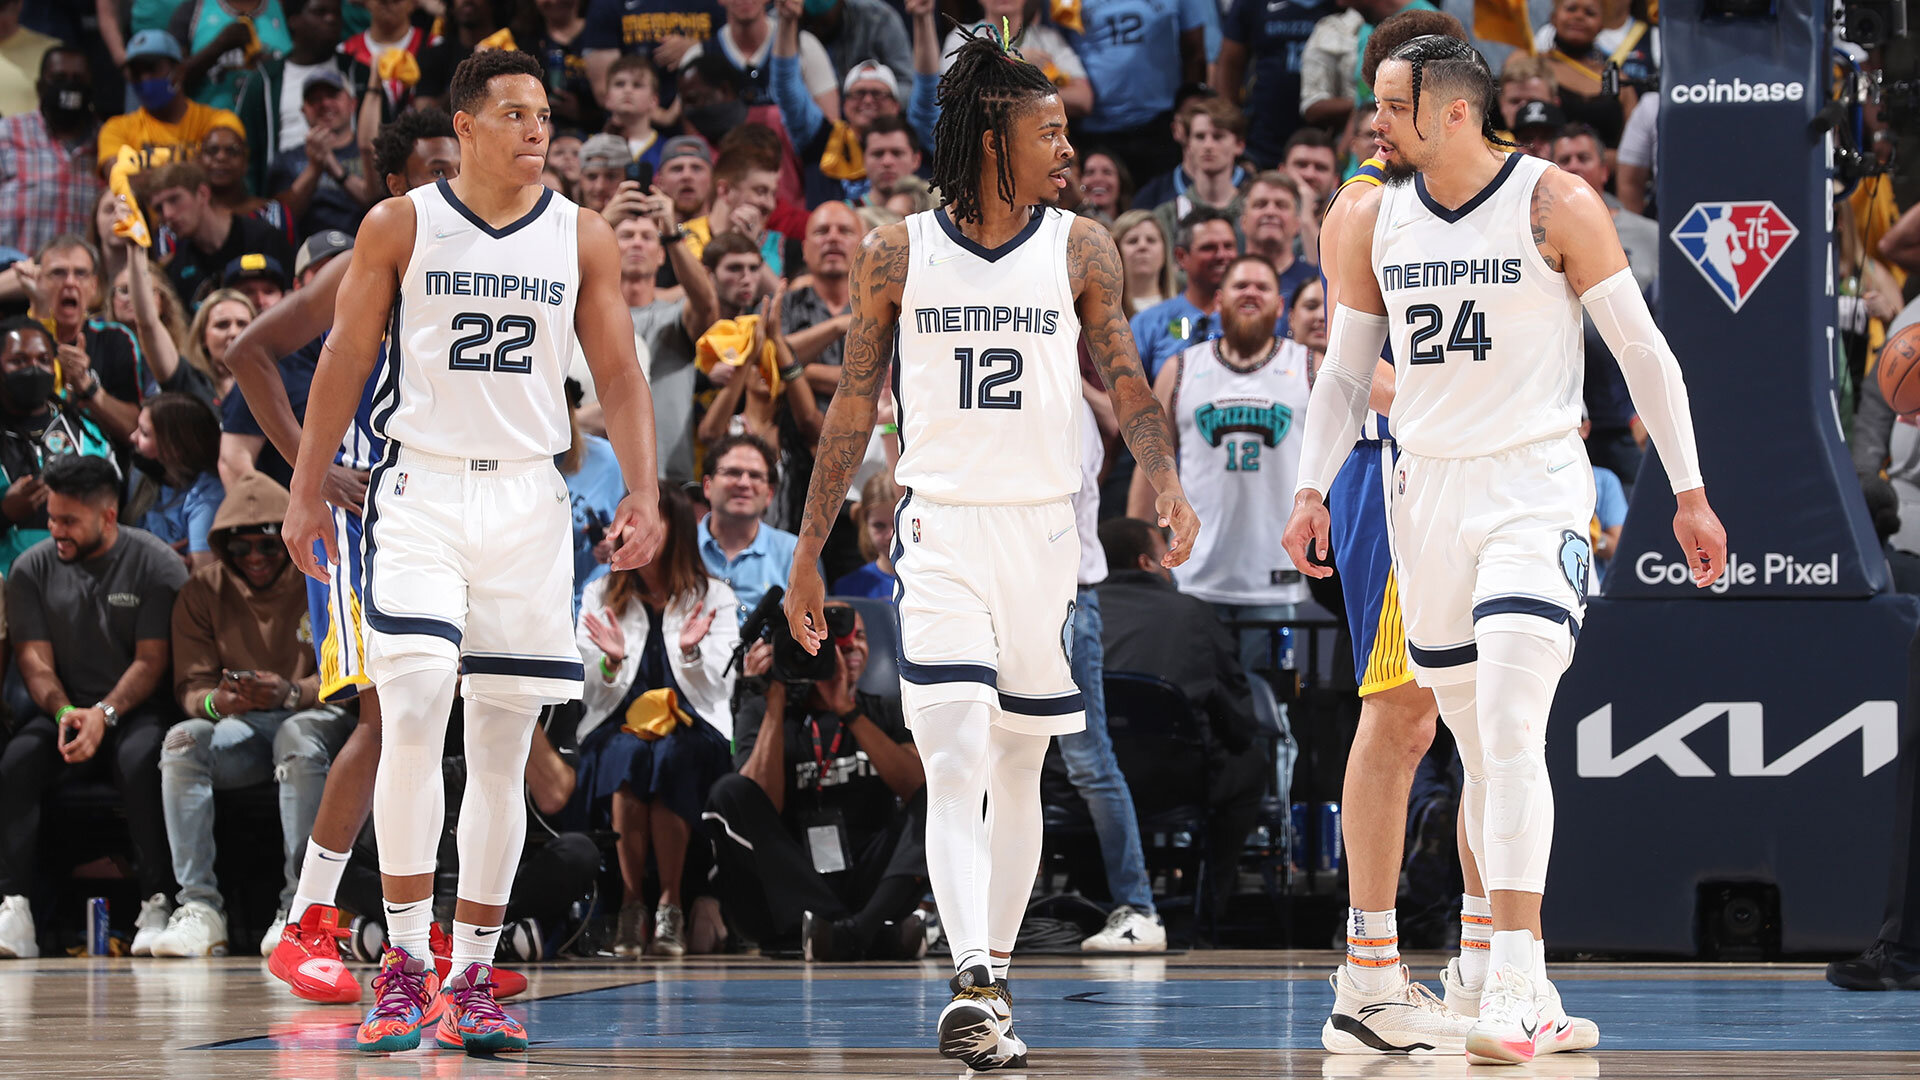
484,327
988,393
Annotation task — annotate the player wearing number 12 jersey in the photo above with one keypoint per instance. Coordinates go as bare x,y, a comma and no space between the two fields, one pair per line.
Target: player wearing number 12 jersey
1477,263
989,294
481,286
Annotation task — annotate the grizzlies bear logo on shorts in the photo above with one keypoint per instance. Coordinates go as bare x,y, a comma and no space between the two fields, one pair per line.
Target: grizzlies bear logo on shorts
1576,561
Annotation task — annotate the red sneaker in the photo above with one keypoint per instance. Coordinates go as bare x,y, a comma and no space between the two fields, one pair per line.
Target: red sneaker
506,983
307,959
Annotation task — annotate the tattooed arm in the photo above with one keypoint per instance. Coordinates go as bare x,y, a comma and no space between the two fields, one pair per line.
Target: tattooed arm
879,271
1094,265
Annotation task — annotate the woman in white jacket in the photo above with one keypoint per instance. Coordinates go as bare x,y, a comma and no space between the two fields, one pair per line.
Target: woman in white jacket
642,632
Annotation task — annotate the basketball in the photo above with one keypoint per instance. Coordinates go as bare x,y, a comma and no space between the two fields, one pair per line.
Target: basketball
1899,358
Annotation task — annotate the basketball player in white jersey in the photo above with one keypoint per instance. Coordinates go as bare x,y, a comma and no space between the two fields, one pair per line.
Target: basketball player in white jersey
1477,263
1236,403
989,295
480,286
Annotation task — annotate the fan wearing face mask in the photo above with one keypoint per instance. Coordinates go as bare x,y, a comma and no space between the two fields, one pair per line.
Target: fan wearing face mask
35,428
47,185
166,119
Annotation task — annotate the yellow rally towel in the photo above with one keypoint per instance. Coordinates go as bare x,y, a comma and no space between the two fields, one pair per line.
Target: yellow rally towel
399,65
656,714
252,48
1504,21
841,159
1066,15
728,341
120,180
500,39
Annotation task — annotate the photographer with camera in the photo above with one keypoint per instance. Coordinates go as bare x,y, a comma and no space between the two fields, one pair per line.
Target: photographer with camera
657,643
821,833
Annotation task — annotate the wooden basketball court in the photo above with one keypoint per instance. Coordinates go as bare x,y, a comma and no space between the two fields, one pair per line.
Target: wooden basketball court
1202,1014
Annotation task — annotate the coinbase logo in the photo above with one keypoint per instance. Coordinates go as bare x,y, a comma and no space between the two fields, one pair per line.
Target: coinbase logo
1737,92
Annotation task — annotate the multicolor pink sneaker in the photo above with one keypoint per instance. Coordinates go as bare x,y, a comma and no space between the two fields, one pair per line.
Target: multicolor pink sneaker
406,999
472,1020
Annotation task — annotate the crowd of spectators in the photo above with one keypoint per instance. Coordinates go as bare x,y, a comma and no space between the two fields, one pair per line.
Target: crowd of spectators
172,169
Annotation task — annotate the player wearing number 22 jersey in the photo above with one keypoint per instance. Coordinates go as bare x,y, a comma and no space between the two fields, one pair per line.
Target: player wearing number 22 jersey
481,285
988,298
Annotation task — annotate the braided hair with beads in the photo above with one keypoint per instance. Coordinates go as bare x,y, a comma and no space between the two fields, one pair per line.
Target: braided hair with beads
988,84
1456,68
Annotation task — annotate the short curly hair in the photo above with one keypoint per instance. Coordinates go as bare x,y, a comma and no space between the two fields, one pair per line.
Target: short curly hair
468,89
394,145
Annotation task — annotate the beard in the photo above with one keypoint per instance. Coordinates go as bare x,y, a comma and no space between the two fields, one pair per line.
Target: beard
1398,170
1248,334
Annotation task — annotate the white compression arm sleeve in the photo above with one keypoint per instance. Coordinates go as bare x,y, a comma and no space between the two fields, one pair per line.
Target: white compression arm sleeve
1659,392
1339,399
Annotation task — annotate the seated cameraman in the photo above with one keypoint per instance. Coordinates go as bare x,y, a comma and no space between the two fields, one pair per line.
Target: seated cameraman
821,832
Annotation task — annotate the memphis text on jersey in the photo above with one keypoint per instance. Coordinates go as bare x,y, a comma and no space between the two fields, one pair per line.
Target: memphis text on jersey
1435,275
977,318
496,286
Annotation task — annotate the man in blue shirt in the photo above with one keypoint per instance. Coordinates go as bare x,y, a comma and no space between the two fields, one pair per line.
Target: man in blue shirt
1265,39
1204,247
1137,54
738,547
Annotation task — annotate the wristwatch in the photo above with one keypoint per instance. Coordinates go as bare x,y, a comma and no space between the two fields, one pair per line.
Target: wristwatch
92,390
850,715
678,234
112,714
293,696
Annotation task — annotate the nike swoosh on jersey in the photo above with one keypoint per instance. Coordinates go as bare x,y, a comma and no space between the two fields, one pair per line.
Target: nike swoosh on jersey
1059,534
444,235
1557,468
936,260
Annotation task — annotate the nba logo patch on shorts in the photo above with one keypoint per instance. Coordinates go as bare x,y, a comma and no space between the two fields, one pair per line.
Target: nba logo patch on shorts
916,530
400,484
1403,481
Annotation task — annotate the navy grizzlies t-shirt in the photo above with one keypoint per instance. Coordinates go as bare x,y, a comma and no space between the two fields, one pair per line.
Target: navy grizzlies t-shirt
1275,35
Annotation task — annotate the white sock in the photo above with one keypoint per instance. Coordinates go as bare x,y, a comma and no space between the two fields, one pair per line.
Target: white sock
1476,930
999,965
1373,950
953,738
320,874
408,925
472,946
1512,948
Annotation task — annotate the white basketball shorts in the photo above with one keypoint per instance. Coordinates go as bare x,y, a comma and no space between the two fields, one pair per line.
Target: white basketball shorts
471,563
986,600
1478,536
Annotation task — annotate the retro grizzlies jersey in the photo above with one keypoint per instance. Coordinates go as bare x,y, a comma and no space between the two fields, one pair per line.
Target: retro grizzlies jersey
362,445
1239,460
988,379
482,332
1486,339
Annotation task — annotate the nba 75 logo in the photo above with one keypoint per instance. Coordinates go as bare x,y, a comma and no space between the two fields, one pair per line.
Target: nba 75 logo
1734,244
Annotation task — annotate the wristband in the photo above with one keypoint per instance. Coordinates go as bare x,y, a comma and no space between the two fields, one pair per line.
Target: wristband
206,706
793,373
62,714
605,671
889,429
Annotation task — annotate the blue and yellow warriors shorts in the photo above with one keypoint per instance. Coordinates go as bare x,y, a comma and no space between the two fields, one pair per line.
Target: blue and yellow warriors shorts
333,609
1363,553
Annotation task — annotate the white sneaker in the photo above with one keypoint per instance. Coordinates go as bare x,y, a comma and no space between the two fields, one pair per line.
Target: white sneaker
669,931
1405,1019
1507,1032
17,939
1460,998
196,929
1564,1032
154,911
1128,930
976,1027
272,940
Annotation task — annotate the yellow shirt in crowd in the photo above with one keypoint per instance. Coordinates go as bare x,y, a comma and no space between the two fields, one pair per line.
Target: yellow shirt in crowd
20,69
144,132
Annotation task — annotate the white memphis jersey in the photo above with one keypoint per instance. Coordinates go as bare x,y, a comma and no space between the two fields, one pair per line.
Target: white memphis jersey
1239,461
1486,339
987,383
483,332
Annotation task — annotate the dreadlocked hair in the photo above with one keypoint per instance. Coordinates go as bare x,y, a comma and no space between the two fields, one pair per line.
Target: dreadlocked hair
1456,69
987,85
